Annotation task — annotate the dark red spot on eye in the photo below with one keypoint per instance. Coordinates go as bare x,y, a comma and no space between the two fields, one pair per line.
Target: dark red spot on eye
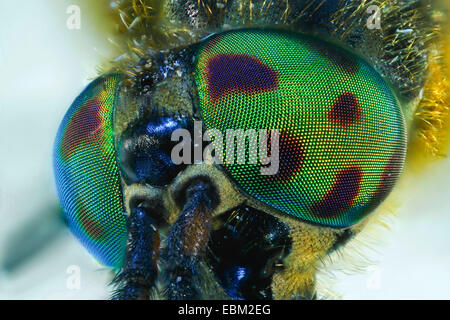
83,126
345,110
389,177
291,156
90,225
340,58
340,198
239,73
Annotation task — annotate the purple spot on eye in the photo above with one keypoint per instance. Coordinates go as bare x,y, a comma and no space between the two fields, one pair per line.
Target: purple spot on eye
340,197
345,110
241,73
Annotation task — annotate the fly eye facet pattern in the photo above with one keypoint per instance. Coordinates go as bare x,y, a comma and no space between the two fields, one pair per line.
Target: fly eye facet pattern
87,175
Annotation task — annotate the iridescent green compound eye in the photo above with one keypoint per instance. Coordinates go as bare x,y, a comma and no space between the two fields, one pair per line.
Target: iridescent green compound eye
342,134
86,172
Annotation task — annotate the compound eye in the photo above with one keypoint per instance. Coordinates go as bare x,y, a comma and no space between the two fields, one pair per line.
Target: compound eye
87,175
342,136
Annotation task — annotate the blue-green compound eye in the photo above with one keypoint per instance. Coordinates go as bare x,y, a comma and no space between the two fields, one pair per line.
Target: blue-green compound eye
87,175
342,133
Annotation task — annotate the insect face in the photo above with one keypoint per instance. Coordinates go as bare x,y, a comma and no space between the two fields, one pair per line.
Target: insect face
341,148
